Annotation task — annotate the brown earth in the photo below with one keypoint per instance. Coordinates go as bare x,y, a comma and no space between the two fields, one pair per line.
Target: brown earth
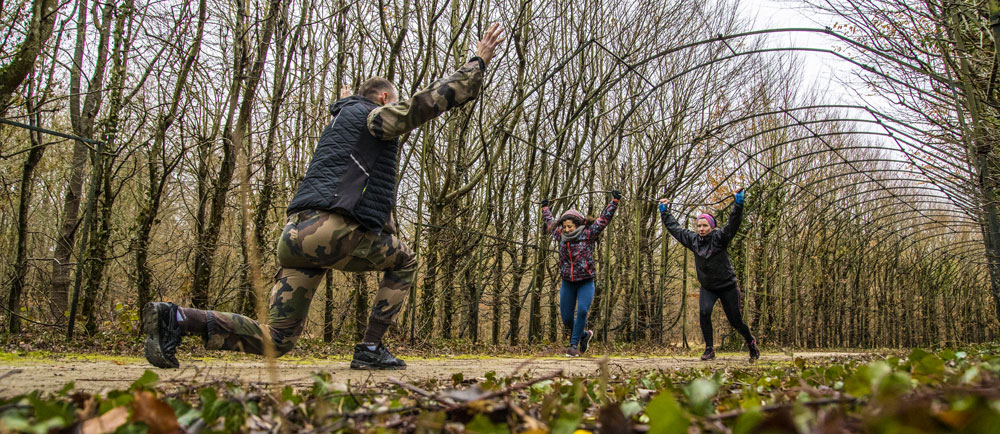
20,375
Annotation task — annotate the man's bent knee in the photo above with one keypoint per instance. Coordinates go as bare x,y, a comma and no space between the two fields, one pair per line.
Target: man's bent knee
408,263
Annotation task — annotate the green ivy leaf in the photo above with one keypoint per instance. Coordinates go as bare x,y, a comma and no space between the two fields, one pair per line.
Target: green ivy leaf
116,398
15,421
66,389
542,387
665,416
894,384
491,381
747,422
930,365
970,375
188,417
288,394
878,371
50,414
631,408
566,423
800,363
917,355
483,425
946,354
834,373
146,381
133,428
208,400
700,393
859,384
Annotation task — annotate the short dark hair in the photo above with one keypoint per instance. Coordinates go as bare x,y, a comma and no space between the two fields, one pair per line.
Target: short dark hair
372,87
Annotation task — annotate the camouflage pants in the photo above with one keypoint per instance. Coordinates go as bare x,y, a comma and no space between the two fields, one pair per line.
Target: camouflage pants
312,242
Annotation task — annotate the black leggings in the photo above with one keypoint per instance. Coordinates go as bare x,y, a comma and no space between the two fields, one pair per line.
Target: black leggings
730,305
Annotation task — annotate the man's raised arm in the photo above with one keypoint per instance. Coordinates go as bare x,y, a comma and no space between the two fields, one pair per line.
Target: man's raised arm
393,120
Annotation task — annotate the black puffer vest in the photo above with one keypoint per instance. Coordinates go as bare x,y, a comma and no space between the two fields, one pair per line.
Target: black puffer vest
351,173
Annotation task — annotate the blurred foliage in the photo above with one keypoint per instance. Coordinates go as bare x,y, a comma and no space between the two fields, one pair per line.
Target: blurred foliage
922,392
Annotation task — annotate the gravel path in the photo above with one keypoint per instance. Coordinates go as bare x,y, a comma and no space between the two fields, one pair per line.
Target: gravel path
23,375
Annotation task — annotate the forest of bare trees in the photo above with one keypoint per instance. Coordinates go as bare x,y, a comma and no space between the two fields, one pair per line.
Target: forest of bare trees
186,126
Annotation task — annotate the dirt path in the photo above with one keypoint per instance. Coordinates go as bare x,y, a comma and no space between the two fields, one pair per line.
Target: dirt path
23,375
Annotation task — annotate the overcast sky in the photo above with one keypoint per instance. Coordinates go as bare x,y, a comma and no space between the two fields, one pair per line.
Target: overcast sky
820,71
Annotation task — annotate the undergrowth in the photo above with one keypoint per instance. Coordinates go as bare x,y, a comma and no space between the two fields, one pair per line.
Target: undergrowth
921,391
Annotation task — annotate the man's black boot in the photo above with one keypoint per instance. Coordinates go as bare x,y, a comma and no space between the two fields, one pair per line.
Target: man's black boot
380,358
163,335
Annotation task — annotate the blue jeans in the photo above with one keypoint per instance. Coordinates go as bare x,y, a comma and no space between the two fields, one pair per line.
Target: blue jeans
578,295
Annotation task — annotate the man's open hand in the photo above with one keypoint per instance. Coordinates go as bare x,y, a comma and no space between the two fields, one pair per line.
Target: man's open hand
489,43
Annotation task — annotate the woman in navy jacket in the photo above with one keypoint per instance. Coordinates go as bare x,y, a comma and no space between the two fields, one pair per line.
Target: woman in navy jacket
576,236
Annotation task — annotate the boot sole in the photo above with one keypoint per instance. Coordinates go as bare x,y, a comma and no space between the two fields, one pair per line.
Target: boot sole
373,367
154,355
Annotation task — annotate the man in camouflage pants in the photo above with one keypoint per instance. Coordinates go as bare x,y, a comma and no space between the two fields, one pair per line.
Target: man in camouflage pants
339,218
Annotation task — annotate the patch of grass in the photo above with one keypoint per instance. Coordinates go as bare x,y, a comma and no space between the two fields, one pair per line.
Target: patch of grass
48,356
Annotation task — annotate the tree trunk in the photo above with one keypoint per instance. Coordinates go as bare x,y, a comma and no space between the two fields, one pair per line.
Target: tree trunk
472,286
99,239
328,308
82,120
234,136
157,179
23,204
361,310
428,292
448,300
22,61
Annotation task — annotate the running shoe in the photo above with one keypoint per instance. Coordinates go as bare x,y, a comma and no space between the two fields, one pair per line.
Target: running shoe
709,354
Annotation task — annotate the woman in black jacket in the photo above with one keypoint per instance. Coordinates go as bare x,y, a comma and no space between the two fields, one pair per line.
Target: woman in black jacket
715,273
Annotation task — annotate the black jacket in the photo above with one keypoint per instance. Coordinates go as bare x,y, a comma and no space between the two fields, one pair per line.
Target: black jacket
352,172
711,260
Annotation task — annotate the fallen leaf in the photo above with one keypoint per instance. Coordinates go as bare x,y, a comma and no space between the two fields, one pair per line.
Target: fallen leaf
87,410
107,423
157,415
613,421
471,394
955,419
531,425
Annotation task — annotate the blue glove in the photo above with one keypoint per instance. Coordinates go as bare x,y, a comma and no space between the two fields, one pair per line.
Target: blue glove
663,207
739,197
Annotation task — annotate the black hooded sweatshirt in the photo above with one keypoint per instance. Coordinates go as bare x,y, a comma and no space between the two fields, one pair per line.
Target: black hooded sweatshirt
715,272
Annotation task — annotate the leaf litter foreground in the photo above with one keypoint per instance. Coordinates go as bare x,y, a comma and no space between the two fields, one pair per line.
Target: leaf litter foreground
923,391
